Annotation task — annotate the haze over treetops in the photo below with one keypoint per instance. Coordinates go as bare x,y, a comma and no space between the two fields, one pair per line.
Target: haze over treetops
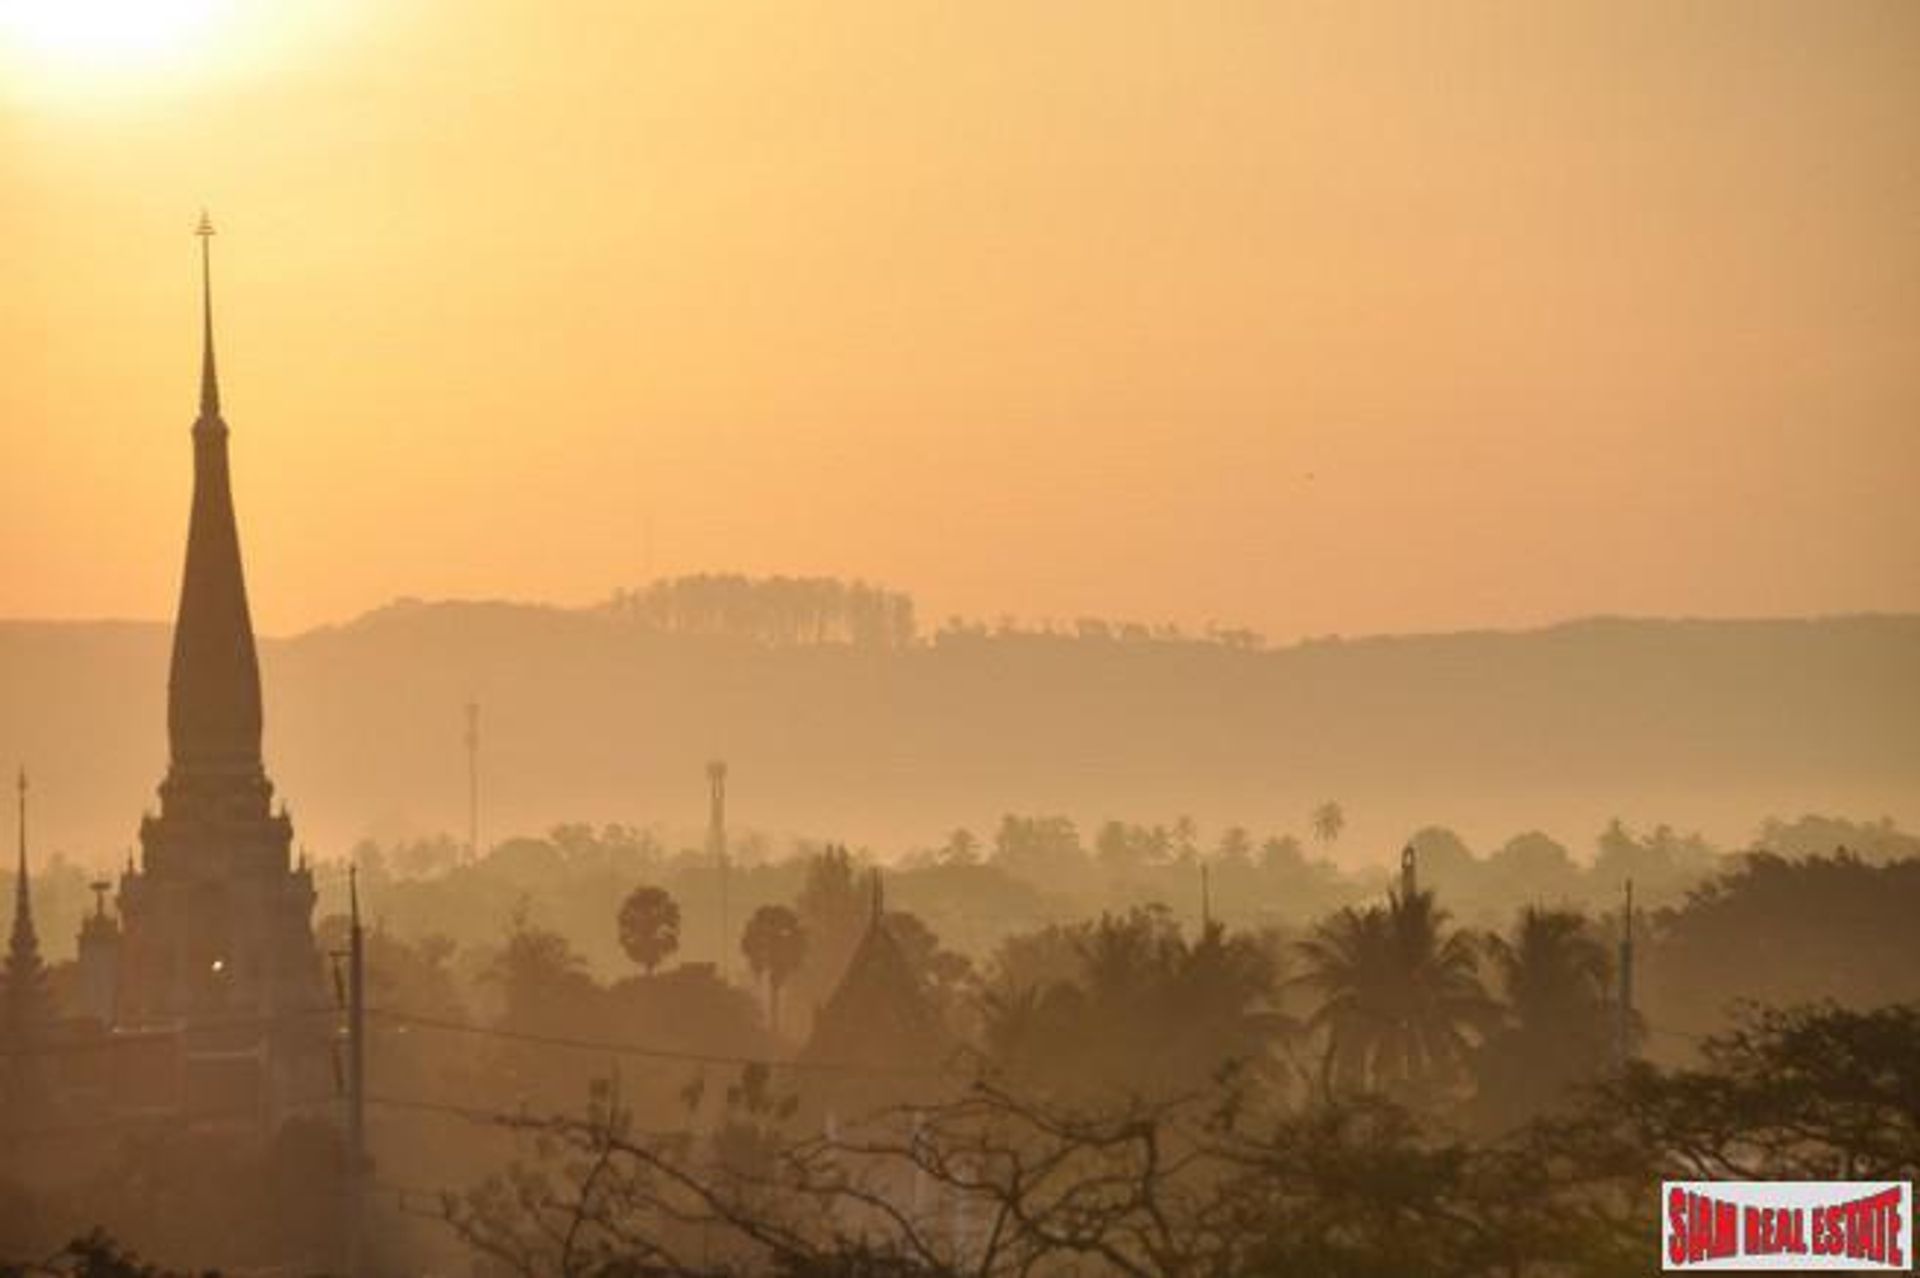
600,715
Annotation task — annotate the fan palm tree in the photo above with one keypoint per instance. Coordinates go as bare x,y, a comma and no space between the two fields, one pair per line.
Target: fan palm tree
1400,997
649,926
775,945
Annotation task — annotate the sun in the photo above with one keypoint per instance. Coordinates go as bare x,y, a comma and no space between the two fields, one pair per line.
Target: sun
108,38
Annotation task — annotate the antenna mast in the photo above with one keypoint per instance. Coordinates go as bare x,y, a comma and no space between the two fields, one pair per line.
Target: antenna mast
1623,1031
473,781
356,1081
717,847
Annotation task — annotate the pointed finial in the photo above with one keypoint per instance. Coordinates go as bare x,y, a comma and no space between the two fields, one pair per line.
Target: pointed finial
209,379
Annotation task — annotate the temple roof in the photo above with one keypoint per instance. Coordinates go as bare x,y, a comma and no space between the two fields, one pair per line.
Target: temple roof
879,1015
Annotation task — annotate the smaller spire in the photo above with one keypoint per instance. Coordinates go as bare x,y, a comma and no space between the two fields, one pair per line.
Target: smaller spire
1409,873
209,378
24,1007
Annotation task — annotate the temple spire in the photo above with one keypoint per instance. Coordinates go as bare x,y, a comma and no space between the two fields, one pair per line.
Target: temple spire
209,378
213,701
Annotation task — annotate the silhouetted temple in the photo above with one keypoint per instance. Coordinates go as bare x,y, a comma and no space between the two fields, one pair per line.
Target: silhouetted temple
216,924
878,1017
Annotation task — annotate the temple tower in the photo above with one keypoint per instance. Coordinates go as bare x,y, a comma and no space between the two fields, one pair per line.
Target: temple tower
216,923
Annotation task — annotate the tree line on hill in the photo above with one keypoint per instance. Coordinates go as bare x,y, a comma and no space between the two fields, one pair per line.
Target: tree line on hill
783,611
794,611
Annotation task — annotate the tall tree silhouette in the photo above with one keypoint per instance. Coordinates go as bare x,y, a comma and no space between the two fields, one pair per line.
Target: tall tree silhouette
834,910
1329,819
774,944
1400,998
649,926
1555,1030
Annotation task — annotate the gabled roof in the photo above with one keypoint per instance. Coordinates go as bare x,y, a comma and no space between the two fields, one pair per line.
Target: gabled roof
879,1015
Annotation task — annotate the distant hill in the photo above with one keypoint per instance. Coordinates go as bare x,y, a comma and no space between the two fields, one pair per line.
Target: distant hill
589,716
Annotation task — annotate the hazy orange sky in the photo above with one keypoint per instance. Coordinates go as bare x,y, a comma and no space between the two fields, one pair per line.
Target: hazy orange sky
1342,317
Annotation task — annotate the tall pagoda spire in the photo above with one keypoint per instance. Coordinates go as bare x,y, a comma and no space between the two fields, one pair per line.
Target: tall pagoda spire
213,701
23,1012
215,929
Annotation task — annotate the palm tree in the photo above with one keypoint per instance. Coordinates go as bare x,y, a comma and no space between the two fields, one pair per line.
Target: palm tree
1399,996
1328,821
649,926
1553,970
1555,974
775,944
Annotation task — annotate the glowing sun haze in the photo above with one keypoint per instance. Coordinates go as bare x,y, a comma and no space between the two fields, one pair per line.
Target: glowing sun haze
1305,317
65,43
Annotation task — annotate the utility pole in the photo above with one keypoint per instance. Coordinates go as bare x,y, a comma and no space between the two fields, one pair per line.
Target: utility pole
717,847
356,1082
473,781
1623,1030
